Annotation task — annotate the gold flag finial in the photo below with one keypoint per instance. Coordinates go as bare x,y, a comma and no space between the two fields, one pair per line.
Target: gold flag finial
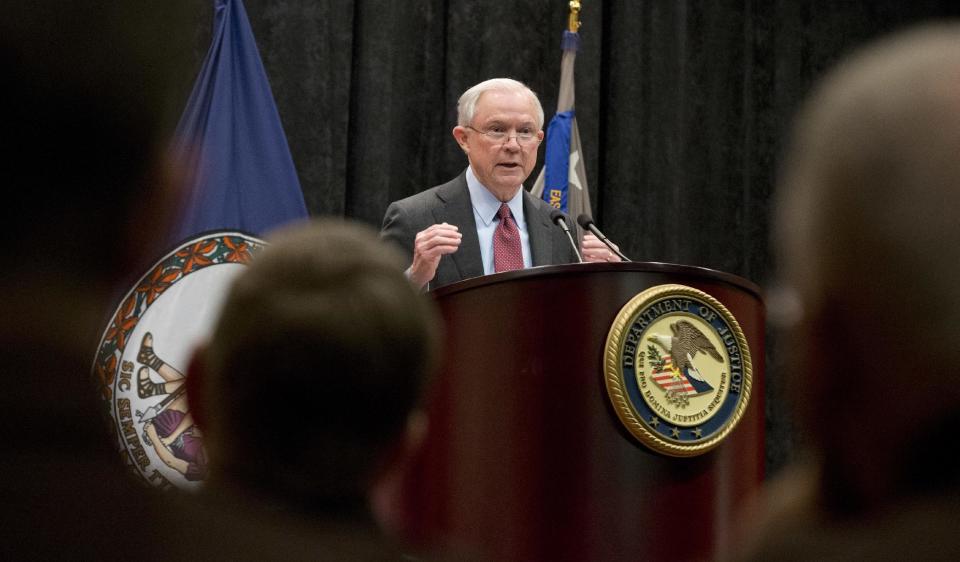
574,24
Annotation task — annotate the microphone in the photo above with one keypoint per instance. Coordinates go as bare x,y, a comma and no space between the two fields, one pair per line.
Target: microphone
587,223
560,220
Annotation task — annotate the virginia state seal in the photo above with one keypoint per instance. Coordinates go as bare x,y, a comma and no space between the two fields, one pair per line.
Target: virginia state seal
677,370
141,363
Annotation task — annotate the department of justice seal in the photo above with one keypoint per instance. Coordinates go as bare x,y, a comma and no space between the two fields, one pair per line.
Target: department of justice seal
141,363
677,370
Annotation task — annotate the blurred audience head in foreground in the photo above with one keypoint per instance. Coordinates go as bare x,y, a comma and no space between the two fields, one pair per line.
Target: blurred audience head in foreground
91,93
313,370
869,241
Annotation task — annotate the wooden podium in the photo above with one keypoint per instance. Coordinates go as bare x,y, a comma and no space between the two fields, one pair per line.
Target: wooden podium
525,458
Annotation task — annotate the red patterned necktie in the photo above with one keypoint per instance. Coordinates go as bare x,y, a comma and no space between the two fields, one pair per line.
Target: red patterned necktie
507,255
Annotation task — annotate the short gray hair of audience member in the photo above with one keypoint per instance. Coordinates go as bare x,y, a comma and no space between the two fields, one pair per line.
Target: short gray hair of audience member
315,364
868,231
467,104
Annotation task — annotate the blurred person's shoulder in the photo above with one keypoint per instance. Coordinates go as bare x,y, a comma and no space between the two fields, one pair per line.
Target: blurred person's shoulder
792,526
230,530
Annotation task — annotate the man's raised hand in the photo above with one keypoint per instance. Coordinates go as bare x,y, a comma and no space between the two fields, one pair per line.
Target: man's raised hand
429,245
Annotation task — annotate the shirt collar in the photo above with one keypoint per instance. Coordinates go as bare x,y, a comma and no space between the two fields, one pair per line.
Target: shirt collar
486,206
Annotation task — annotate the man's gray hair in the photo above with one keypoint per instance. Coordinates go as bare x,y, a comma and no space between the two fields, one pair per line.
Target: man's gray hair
467,104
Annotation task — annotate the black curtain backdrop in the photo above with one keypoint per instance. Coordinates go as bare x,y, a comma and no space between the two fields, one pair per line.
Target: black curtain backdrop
683,107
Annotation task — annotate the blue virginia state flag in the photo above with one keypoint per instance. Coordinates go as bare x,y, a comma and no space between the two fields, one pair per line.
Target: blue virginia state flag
230,142
241,183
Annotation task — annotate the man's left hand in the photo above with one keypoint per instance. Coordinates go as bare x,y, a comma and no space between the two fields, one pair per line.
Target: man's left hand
593,250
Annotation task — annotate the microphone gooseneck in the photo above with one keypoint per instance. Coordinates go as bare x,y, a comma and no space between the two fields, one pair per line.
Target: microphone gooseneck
560,220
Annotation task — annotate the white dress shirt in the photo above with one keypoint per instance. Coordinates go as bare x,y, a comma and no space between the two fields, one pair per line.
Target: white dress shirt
485,209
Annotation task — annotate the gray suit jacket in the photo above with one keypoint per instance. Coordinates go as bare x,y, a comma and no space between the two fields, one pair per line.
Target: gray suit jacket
450,203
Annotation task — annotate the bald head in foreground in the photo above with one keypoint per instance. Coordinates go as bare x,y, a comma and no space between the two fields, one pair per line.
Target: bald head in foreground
869,238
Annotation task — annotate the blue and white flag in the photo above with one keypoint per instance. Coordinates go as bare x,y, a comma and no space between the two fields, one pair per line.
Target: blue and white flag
563,181
241,182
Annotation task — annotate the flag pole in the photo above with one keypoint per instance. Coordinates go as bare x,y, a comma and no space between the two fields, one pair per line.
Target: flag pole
573,24
562,181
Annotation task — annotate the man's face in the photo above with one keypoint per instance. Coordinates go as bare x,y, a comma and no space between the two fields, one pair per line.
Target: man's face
501,165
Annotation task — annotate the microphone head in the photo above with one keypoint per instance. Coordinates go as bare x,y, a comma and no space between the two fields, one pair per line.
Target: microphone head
584,220
557,215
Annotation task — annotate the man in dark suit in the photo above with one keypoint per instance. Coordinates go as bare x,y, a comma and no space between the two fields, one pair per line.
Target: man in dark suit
451,231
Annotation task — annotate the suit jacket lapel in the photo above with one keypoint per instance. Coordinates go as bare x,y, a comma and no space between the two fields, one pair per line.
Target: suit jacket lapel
457,209
539,230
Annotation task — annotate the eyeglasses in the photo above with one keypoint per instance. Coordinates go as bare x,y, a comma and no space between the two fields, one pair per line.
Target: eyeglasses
524,136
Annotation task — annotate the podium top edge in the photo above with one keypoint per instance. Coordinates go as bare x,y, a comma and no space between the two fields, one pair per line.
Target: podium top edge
581,268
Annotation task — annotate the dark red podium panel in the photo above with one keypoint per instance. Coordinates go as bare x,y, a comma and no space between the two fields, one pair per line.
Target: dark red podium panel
525,458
